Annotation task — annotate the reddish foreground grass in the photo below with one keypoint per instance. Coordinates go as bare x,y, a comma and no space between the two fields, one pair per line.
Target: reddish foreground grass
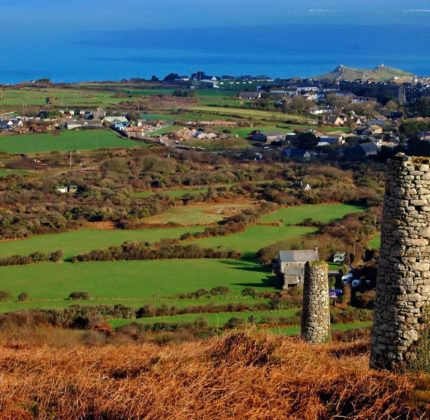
239,376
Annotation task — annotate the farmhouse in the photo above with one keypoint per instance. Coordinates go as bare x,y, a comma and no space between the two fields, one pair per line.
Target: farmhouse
291,265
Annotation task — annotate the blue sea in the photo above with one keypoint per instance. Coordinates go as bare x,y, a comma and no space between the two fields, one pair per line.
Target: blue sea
292,50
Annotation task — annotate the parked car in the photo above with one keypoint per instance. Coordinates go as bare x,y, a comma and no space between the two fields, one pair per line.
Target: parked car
356,283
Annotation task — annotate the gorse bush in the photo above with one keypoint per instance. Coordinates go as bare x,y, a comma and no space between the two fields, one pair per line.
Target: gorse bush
22,297
141,251
79,296
4,295
34,258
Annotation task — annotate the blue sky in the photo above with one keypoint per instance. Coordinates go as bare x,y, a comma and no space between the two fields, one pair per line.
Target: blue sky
58,15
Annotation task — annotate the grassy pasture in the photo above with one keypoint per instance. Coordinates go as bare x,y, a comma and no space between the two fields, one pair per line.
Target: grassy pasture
322,212
255,237
64,141
375,243
6,172
213,319
199,214
25,97
173,193
248,113
77,242
128,282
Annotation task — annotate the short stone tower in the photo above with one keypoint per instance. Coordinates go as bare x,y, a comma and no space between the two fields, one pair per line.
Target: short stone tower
403,282
316,303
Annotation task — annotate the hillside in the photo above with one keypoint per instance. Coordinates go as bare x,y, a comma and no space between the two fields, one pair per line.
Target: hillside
378,74
239,376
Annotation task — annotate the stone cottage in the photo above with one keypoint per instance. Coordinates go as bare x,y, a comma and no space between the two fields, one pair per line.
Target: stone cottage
291,265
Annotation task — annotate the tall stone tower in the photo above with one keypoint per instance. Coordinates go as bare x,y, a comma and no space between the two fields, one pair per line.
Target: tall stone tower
403,282
316,303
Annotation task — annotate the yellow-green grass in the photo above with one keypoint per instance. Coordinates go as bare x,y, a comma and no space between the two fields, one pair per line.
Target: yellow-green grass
256,237
85,240
64,141
375,243
198,214
295,329
173,193
6,172
26,97
132,283
249,113
322,212
213,319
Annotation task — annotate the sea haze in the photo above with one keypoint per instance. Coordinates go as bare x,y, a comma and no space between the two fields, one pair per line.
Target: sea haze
276,50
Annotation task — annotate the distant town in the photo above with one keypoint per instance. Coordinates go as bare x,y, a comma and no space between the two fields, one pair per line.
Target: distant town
346,114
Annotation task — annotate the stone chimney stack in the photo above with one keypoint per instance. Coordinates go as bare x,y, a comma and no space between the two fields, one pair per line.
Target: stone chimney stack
316,303
403,282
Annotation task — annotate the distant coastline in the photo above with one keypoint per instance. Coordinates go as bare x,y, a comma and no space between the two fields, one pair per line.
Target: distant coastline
288,51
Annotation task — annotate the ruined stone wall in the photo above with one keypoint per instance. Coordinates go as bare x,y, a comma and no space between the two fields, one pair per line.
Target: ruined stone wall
316,304
403,282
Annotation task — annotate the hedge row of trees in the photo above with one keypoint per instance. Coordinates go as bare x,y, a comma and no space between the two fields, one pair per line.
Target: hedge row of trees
34,258
129,251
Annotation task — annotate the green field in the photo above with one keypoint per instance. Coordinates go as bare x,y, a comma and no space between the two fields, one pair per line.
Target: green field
131,283
214,319
256,237
64,141
321,212
375,243
6,172
173,193
25,97
85,240
249,113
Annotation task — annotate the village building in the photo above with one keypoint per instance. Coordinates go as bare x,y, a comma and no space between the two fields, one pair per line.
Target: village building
250,95
337,120
100,114
291,265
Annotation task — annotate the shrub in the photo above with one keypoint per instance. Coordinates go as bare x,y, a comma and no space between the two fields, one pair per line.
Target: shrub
22,297
365,299
4,295
234,323
79,296
220,291
249,291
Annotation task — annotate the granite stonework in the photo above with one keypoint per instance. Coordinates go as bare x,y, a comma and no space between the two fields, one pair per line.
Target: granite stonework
316,303
403,281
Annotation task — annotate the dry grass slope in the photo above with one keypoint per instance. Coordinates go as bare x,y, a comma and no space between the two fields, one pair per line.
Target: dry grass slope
242,375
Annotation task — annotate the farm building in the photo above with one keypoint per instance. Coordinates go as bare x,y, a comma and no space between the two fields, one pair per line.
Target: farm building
291,265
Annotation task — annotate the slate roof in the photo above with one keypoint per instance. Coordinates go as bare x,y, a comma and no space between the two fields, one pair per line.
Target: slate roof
298,256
